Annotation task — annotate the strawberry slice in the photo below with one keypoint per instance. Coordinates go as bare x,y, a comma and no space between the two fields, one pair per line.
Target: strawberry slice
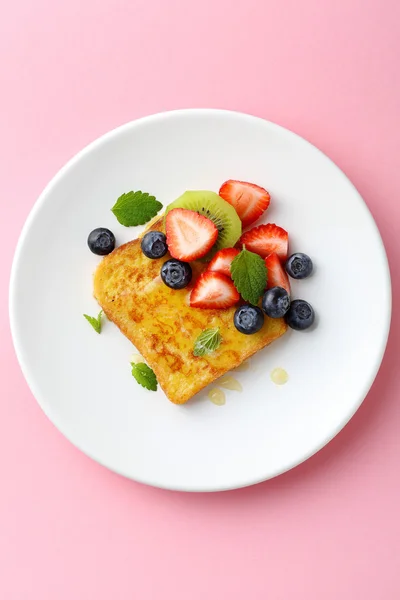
222,261
213,290
276,273
189,235
265,239
249,200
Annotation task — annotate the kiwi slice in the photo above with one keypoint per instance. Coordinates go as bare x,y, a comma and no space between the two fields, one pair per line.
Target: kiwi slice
220,212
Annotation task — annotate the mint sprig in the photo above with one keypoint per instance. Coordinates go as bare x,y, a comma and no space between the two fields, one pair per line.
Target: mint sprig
249,274
145,376
136,208
207,342
95,321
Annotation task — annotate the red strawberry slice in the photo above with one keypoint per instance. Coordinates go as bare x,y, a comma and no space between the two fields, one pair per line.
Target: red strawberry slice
222,261
213,290
249,200
265,239
276,273
189,235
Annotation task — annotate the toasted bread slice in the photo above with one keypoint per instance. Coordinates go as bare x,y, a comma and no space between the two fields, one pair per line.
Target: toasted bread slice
164,328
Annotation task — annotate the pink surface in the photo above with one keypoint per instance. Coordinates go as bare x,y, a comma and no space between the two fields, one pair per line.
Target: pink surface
70,71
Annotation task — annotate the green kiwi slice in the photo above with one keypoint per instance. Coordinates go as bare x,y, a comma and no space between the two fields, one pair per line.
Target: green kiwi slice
220,212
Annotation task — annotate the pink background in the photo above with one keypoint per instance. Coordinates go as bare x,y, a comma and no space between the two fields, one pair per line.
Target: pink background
70,71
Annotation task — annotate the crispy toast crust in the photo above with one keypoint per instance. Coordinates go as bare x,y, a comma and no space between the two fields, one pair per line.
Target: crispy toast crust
163,327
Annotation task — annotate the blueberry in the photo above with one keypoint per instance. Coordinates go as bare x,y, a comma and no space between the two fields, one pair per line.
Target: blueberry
176,274
154,244
299,266
101,241
276,302
300,315
248,319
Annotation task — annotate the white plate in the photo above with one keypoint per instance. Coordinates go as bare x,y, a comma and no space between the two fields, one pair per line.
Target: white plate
83,381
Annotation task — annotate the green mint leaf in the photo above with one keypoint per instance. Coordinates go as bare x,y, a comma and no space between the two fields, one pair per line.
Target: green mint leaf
145,376
249,275
95,321
207,342
135,208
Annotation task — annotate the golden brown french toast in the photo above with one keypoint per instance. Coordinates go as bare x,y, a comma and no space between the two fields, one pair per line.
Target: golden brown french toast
163,327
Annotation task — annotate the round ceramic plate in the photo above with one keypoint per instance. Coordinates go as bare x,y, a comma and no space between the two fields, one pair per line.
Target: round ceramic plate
83,381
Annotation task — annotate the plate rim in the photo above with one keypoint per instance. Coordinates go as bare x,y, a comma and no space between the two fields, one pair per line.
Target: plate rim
104,138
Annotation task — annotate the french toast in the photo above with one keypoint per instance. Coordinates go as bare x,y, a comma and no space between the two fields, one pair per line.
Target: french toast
163,327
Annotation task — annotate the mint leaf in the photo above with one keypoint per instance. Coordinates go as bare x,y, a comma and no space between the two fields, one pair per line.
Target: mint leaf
249,274
135,208
207,342
95,321
145,376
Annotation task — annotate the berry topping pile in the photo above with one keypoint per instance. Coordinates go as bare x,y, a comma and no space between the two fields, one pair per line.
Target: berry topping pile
252,272
244,264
